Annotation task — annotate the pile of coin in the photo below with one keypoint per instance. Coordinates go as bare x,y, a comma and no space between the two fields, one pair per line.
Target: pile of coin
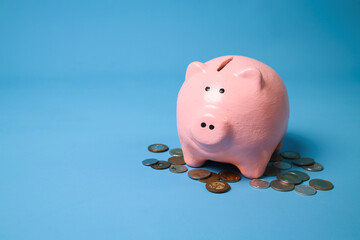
287,181
175,163
215,182
219,182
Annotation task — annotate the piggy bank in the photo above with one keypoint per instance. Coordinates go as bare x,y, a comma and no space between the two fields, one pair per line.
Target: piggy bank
232,109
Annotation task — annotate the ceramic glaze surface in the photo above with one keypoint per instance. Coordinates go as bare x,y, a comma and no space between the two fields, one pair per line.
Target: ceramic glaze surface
232,109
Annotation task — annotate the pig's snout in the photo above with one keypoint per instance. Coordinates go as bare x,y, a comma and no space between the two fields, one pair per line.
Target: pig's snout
207,129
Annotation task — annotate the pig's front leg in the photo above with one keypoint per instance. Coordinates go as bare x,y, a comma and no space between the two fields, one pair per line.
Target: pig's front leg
191,158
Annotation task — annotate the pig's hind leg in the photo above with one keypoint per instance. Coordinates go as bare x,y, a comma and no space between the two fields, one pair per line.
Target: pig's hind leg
278,147
253,165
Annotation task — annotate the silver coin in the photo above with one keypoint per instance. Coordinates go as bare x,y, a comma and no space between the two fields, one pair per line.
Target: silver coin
290,155
281,186
304,161
178,168
282,165
176,152
259,183
149,161
305,190
314,167
303,176
289,177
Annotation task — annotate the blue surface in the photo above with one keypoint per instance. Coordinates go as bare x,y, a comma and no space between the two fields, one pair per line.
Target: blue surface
86,86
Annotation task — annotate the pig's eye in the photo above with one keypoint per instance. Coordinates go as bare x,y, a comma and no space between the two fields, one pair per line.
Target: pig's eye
207,88
222,90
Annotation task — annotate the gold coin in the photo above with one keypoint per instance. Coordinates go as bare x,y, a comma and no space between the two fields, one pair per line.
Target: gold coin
281,186
289,177
217,186
321,184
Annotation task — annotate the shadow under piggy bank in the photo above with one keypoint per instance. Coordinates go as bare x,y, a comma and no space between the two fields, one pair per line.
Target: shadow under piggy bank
292,142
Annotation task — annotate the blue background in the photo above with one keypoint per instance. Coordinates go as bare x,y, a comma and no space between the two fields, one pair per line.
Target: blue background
86,86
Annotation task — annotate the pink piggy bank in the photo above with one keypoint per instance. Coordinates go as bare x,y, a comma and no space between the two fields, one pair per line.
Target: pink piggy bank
232,109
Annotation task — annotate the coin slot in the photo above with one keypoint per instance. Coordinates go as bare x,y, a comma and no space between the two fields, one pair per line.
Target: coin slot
223,64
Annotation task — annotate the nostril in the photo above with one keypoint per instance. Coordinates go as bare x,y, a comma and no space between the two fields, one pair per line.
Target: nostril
203,124
211,127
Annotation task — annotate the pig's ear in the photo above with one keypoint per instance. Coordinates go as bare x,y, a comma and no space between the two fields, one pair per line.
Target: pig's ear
252,75
194,68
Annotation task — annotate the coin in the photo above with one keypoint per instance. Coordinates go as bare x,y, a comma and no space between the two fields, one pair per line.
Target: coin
158,148
275,158
176,160
282,165
229,176
290,155
211,178
149,161
305,190
281,186
217,186
303,161
321,184
178,168
303,176
314,167
176,152
199,173
289,177
271,171
161,165
259,183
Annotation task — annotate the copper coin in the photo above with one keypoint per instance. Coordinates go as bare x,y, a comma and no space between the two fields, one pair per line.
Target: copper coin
271,171
281,186
176,160
314,167
259,183
161,165
282,165
304,161
289,177
321,184
218,187
178,168
211,178
229,176
158,148
303,176
276,158
290,155
199,173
